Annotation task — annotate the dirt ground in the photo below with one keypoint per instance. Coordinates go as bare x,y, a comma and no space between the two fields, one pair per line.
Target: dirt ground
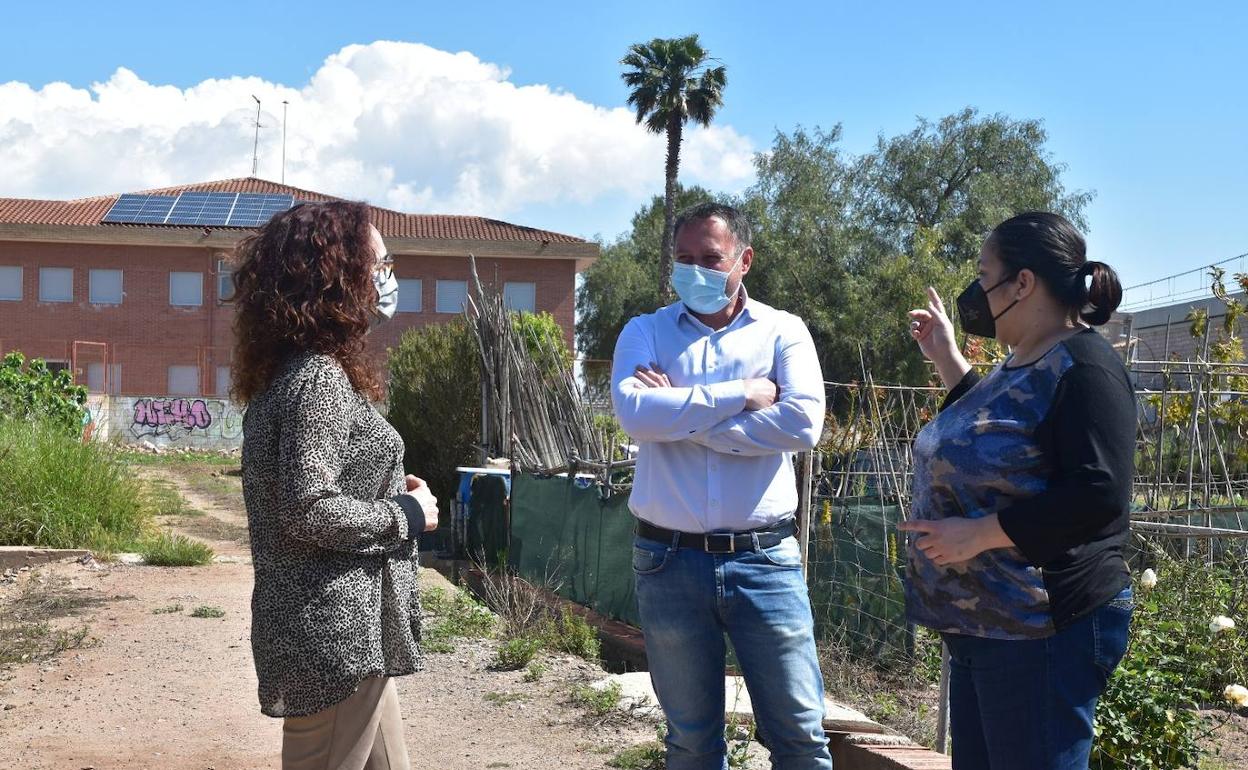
165,689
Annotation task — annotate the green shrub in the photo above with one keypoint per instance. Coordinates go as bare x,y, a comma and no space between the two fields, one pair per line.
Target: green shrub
570,633
435,393
516,653
435,403
61,493
1174,665
168,550
207,611
35,393
543,338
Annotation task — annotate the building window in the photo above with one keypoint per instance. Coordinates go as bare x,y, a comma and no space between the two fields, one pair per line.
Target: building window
223,380
105,288
55,366
95,378
410,300
520,297
186,289
451,296
184,381
11,283
225,281
56,284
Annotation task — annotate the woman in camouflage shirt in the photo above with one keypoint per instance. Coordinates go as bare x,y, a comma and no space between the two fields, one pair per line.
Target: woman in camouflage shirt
1021,492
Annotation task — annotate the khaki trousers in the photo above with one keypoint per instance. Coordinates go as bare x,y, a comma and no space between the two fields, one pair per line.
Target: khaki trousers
363,732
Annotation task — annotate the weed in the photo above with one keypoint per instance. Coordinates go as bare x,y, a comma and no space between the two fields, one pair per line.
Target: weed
570,633
503,698
644,756
207,611
164,500
59,492
456,615
133,457
535,671
169,550
168,609
598,702
516,653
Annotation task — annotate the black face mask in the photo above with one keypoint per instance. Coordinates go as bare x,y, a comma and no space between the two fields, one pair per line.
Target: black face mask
975,314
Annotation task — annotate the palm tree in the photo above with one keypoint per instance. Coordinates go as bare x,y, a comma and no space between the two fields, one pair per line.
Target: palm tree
672,82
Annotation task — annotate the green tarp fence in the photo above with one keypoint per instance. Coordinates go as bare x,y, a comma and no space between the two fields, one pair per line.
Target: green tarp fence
573,538
855,569
575,541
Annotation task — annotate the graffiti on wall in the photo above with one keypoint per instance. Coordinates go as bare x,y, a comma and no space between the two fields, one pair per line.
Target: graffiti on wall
190,421
159,416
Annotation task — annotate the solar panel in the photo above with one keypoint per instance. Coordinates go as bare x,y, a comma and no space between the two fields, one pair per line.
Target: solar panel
253,210
146,209
202,208
213,209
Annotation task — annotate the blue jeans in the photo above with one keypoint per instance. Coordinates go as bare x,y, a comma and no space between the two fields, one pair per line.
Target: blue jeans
1029,704
688,600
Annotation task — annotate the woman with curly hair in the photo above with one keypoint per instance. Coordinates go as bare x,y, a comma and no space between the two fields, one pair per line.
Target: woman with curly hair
332,518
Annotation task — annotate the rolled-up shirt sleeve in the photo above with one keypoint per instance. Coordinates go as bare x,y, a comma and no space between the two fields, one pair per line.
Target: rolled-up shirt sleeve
795,422
664,414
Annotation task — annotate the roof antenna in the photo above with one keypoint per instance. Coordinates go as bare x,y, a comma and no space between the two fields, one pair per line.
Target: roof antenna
285,104
255,147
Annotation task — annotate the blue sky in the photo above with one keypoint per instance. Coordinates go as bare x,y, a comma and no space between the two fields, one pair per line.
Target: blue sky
1144,102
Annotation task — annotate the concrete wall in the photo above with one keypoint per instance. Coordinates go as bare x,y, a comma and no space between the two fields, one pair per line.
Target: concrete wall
181,422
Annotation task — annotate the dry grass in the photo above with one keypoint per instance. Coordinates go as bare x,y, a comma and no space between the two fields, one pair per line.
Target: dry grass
26,629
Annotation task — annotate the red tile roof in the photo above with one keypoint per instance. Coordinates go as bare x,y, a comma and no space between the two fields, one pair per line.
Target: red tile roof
89,212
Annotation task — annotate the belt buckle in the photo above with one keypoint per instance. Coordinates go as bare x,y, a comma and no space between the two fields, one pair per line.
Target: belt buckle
732,542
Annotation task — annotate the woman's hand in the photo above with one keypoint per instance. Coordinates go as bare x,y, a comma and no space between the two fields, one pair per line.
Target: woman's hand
956,539
418,489
932,329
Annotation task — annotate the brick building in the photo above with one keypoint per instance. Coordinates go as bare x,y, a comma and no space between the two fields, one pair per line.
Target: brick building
1164,333
140,308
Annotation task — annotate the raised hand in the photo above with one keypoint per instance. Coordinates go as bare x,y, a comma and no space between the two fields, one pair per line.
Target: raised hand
933,331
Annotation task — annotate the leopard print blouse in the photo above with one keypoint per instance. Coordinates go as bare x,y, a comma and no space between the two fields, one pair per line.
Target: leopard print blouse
335,596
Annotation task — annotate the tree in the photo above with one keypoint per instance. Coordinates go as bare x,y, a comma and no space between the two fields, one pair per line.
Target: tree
849,243
672,82
957,179
32,392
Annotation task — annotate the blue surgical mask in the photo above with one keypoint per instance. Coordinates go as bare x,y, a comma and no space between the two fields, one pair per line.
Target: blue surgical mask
702,289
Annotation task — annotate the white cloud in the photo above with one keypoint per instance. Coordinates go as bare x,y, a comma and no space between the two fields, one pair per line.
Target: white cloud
399,124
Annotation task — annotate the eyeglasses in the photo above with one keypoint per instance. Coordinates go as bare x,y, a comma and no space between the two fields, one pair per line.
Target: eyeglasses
385,266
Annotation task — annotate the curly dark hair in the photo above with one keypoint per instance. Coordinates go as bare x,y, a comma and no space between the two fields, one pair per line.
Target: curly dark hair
303,283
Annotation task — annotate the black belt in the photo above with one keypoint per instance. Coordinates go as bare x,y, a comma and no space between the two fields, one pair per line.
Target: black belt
721,542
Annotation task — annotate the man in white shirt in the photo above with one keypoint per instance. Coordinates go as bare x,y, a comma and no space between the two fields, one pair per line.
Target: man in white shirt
719,391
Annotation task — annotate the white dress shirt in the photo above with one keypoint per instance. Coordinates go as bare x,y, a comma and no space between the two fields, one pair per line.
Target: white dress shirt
705,463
